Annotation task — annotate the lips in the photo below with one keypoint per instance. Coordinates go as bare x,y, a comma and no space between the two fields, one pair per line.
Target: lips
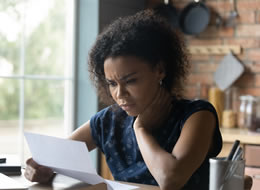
126,107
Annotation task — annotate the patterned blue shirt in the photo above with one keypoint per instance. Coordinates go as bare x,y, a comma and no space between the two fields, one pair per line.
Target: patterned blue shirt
112,131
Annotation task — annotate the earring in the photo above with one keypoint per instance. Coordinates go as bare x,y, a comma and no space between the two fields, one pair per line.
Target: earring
161,82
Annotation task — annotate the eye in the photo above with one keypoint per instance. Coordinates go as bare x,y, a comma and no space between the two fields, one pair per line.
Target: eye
111,83
130,81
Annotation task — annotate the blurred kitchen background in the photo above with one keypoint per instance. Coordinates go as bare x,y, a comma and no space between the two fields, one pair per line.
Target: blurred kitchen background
44,85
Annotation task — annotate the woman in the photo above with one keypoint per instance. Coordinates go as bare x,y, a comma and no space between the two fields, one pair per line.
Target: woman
150,134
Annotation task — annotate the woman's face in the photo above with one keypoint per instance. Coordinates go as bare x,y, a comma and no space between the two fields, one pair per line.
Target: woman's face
133,84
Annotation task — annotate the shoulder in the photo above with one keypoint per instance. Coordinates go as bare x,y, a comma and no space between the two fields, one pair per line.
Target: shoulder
204,114
184,109
194,104
189,107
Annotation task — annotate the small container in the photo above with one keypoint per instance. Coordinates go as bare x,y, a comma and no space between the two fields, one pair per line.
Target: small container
241,118
229,115
226,174
228,119
257,129
216,98
231,99
251,110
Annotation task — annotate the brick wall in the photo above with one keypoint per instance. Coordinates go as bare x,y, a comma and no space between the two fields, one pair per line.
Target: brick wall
245,33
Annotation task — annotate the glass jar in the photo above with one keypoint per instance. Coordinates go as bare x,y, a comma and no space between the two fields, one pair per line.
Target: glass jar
241,118
257,125
251,113
229,114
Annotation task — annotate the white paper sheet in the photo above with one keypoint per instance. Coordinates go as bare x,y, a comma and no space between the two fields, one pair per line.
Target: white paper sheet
120,186
67,157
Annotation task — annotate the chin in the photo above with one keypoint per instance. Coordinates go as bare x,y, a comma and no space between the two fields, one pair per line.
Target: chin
131,113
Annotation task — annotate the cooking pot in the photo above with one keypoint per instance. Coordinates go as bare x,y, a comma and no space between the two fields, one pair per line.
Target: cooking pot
194,18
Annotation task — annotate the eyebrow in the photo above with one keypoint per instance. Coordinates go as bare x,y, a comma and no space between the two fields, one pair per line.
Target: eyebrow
124,77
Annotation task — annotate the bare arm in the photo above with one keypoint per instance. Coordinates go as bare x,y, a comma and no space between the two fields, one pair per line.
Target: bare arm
83,133
172,171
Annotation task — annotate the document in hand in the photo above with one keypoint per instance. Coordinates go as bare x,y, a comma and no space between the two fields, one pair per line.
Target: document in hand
67,157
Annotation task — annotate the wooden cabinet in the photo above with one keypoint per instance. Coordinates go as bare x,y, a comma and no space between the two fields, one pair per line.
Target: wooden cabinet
252,155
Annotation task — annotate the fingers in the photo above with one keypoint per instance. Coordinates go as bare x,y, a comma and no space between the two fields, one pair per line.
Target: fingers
248,182
155,113
29,173
32,163
37,173
30,170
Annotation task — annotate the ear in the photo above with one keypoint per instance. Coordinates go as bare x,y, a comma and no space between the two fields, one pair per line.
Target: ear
160,69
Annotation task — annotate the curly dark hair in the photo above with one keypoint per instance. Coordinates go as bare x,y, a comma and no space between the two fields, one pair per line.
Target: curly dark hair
147,36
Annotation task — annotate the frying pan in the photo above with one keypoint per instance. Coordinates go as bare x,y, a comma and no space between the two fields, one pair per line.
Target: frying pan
194,18
169,12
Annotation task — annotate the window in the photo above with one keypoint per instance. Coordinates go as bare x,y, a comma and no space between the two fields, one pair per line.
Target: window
36,71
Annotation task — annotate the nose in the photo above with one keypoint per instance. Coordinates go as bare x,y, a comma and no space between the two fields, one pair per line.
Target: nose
121,92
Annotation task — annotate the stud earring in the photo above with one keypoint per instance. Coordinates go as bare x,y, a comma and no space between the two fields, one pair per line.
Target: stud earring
161,82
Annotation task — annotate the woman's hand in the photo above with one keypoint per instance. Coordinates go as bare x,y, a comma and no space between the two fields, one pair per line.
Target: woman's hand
248,182
156,113
37,173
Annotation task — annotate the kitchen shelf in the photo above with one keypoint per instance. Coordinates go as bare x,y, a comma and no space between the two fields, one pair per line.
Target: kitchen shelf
244,135
215,49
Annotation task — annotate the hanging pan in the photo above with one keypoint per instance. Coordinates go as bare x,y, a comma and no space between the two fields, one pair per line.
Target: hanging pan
194,18
169,12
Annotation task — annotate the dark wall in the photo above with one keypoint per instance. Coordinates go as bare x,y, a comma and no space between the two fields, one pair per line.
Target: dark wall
109,10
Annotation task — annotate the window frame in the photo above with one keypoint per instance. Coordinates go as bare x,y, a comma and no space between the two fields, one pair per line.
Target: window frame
69,78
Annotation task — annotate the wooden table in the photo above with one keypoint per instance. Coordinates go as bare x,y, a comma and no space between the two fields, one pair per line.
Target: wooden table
61,182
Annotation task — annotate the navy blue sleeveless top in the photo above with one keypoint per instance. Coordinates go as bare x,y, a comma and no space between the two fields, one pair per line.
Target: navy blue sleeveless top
112,131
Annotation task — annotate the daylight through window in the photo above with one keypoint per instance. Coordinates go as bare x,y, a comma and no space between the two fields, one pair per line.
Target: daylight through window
36,70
